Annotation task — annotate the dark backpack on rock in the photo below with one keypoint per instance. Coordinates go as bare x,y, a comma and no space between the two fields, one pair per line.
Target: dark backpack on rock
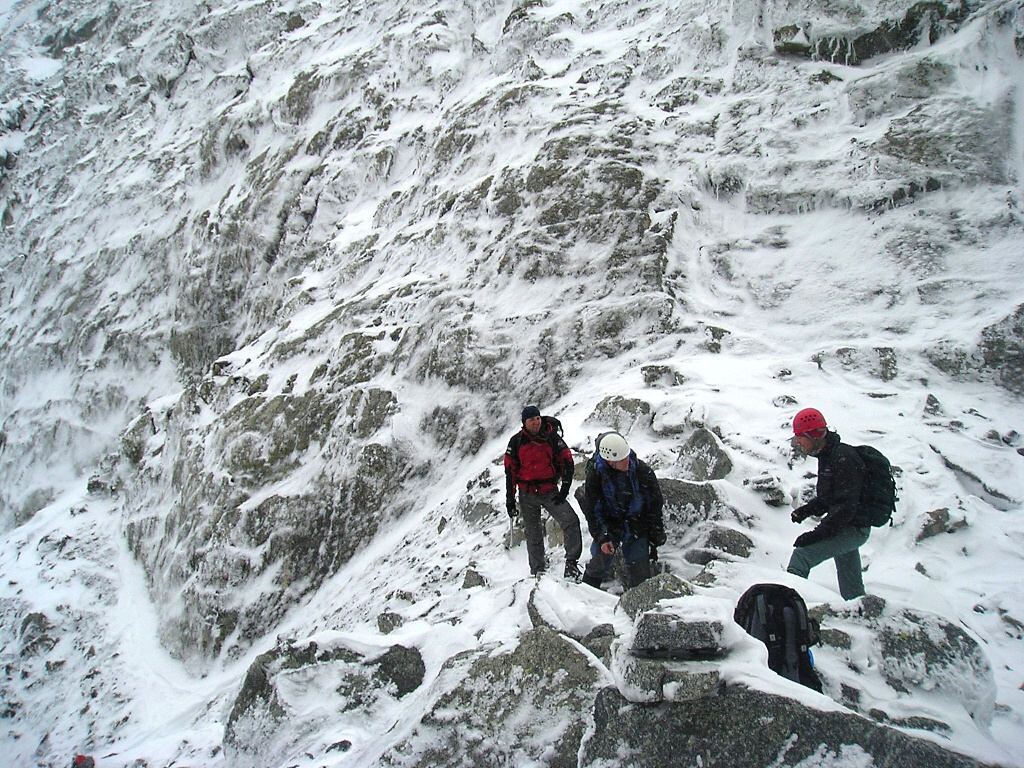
777,616
878,493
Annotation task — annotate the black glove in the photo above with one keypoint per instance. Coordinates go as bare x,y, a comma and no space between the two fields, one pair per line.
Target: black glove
654,554
510,506
563,494
800,514
806,539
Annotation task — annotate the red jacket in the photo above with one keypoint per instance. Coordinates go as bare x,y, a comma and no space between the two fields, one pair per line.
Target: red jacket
536,463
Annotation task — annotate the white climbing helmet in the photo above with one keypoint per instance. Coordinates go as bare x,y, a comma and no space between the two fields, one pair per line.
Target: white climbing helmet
613,447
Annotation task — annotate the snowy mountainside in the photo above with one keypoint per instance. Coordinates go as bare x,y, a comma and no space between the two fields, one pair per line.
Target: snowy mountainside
278,277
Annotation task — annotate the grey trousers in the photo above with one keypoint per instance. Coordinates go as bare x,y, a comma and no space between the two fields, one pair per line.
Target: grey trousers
844,548
530,504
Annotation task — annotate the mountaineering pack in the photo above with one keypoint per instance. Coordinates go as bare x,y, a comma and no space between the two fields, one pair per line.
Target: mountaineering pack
580,491
878,493
777,616
592,461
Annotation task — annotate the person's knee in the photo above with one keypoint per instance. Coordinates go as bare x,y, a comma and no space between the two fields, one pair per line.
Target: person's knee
798,566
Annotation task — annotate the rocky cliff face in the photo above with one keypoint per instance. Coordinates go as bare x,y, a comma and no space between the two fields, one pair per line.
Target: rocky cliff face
274,273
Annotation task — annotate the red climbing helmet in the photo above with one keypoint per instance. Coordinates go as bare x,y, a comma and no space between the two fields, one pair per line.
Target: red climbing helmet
808,420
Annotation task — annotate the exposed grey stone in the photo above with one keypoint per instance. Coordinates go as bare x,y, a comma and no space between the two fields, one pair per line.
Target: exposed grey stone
880,362
255,704
80,31
477,512
926,141
685,91
690,680
769,488
527,703
1002,351
686,732
640,680
704,458
713,337
701,556
730,541
388,622
791,40
928,653
645,596
401,667
214,548
910,651
258,710
370,410
601,647
1014,627
836,638
455,428
690,503
661,634
37,635
258,730
621,414
705,578
918,723
923,22
473,579
601,630
939,521
661,375
599,641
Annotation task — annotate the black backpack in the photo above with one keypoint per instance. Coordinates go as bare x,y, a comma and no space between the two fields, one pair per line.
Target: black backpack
777,616
592,461
580,492
878,495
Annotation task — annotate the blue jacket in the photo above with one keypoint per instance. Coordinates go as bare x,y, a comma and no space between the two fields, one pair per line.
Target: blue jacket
620,505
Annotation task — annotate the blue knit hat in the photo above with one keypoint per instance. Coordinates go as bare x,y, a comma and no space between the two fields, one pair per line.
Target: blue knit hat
530,412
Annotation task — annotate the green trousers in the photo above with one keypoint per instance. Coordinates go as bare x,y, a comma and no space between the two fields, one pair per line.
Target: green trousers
844,548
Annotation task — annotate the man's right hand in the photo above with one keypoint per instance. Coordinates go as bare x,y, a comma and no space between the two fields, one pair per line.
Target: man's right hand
510,506
608,548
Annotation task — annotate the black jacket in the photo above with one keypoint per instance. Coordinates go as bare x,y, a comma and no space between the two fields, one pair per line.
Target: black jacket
840,477
609,518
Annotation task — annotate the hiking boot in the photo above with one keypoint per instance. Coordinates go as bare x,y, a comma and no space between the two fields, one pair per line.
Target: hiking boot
539,571
572,571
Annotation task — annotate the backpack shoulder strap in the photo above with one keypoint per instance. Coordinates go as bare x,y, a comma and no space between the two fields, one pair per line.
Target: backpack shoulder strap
761,609
514,444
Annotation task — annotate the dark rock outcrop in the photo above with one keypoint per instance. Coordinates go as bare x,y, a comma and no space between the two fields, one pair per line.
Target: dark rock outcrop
688,732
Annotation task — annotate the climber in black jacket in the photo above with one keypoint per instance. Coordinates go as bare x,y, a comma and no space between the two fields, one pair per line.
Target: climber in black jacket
840,477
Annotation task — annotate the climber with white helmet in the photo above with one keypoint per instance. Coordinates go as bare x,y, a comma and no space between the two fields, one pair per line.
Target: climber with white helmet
622,502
